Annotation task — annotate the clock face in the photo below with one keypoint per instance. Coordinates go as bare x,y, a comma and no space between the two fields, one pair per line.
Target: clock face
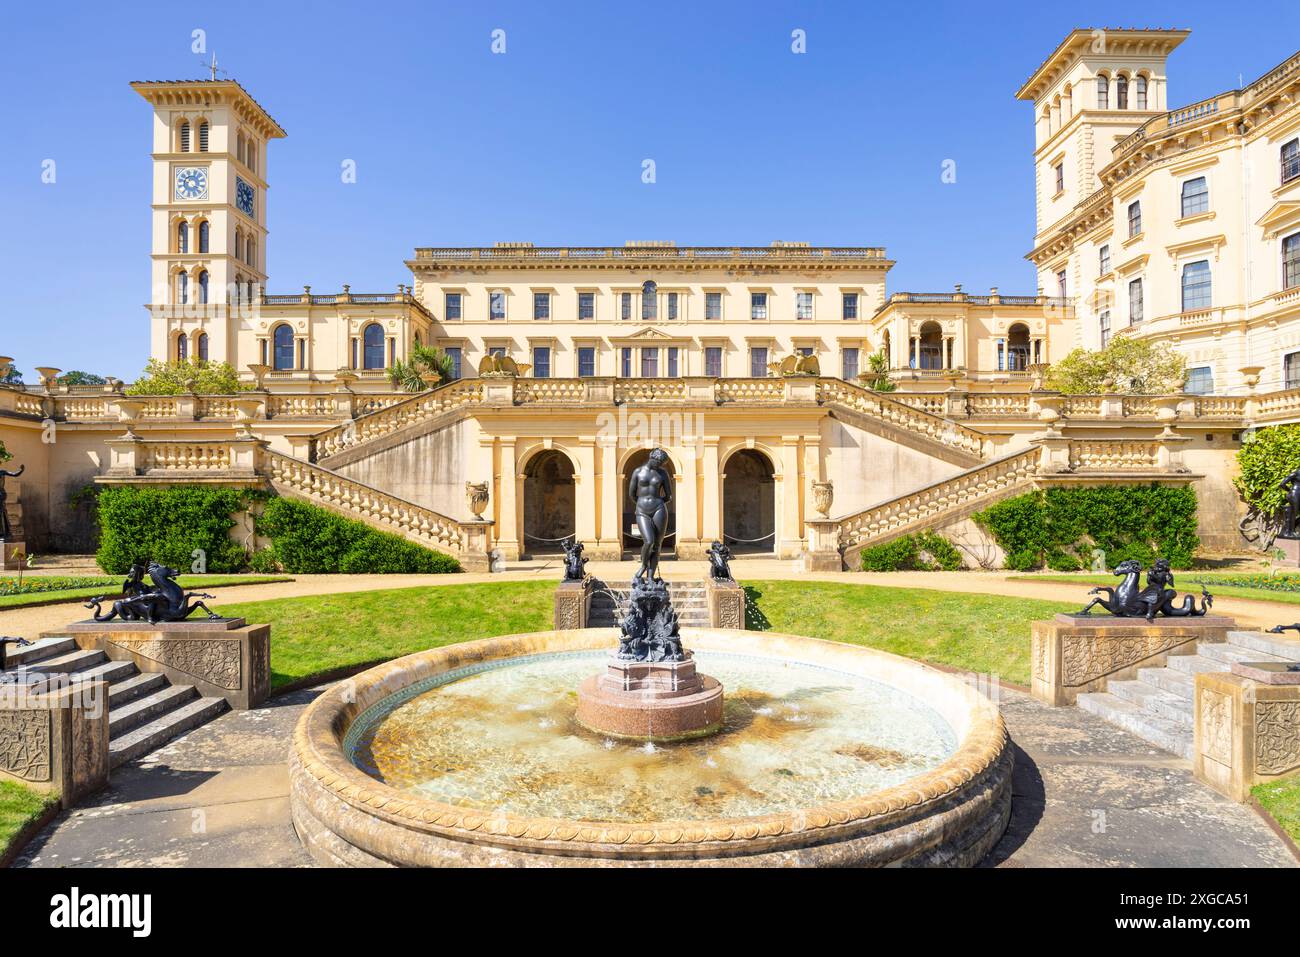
191,183
244,197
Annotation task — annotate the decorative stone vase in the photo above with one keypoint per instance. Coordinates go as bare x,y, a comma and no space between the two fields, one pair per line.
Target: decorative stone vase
823,496
128,413
1049,408
259,373
476,495
430,379
345,378
49,377
1249,375
246,410
6,363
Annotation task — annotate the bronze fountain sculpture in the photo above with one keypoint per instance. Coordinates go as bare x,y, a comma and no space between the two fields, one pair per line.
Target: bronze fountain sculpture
5,529
1130,600
1291,510
164,601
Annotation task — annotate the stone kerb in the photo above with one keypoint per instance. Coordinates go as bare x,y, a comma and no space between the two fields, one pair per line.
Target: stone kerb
1075,654
1247,732
54,735
226,658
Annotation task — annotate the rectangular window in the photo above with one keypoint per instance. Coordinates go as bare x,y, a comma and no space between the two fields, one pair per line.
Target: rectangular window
672,306
497,305
541,362
850,305
849,365
1103,260
453,305
1104,322
1290,160
625,363
758,362
1291,371
673,355
1291,261
1135,301
803,305
586,305
713,361
758,305
1134,219
1060,177
541,305
713,305
586,361
1196,196
1196,286
649,363
625,306
1200,380
1060,284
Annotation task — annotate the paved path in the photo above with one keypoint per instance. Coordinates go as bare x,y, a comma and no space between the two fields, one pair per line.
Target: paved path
1086,794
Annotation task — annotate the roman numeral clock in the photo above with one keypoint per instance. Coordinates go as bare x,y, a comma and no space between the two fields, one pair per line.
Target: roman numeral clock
245,198
191,183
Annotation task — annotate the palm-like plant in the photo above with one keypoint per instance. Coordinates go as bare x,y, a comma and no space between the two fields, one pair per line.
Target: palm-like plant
410,375
877,375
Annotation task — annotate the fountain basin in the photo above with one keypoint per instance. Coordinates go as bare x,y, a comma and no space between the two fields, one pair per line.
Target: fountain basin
949,813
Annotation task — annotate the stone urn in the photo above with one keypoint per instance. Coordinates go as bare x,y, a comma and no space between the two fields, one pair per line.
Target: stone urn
6,363
128,413
246,410
49,377
259,371
430,379
823,496
476,496
1049,408
1249,375
345,378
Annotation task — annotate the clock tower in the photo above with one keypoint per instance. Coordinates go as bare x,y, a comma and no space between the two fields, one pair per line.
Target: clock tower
209,215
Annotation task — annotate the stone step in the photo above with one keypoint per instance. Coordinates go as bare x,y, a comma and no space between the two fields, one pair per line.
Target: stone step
1166,679
1230,654
1162,732
38,651
110,671
132,687
1164,704
1195,664
169,725
1283,647
135,713
72,662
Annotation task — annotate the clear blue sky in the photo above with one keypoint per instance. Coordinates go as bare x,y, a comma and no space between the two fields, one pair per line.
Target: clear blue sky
457,146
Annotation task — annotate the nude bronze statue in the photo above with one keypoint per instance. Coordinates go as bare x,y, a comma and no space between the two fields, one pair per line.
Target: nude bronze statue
1291,511
651,487
5,530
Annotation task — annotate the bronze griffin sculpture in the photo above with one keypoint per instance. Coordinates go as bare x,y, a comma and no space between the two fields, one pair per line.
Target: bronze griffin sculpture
1130,600
165,601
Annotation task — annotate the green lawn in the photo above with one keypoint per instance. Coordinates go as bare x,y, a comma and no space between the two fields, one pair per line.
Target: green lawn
1186,582
1281,799
18,806
111,587
316,635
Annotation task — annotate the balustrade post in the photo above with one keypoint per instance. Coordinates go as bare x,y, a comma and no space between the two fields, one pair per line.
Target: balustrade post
125,455
1054,452
475,543
823,552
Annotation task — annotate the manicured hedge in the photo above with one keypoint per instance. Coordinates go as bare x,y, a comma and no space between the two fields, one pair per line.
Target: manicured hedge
924,551
307,540
1061,527
168,525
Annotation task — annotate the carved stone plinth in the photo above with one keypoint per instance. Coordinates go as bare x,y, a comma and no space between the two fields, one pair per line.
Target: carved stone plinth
1290,548
650,701
54,735
726,603
227,658
573,604
1247,732
1074,654
13,555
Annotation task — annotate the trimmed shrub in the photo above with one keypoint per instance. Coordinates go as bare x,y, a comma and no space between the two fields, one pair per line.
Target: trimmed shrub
309,540
925,551
1265,459
168,525
1062,528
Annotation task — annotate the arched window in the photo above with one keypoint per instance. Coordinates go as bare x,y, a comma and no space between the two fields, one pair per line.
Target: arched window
283,360
203,136
1103,93
239,244
1018,348
203,286
183,238
203,347
184,138
252,156
929,346
373,340
1121,93
182,287
182,347
250,251
203,236
239,147
649,301
1140,92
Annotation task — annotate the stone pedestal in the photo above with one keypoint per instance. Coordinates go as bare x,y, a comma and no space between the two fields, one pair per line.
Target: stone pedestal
650,701
823,552
1247,732
1074,654
13,555
226,658
573,604
1290,548
54,735
726,603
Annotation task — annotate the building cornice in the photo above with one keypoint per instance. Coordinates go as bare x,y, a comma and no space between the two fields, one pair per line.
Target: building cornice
689,258
206,94
1119,41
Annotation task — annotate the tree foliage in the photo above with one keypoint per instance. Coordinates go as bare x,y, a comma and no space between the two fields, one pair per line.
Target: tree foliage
76,377
5,454
925,551
169,525
1265,458
408,374
1136,366
185,377
877,374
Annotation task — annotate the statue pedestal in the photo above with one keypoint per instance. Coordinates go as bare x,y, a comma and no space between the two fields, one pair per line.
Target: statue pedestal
13,555
1290,548
55,734
726,603
573,604
650,701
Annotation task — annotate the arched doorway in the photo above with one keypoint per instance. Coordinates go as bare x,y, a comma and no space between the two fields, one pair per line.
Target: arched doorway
930,346
549,503
749,503
631,537
1018,348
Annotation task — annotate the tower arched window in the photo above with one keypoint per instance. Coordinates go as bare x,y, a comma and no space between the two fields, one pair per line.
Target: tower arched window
203,347
1140,92
182,288
1103,93
239,244
182,347
203,137
250,251
204,233
373,347
183,238
183,143
203,286
283,358
239,147
252,156
649,301
1121,93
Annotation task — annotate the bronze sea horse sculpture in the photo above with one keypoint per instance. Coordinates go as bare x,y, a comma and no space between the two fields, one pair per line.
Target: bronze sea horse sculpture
1130,600
165,601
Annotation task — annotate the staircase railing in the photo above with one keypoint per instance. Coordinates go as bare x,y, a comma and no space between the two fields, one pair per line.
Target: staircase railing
946,432
418,408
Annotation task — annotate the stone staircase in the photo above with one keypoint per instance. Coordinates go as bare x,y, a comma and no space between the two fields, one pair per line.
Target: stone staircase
608,605
1157,705
145,711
